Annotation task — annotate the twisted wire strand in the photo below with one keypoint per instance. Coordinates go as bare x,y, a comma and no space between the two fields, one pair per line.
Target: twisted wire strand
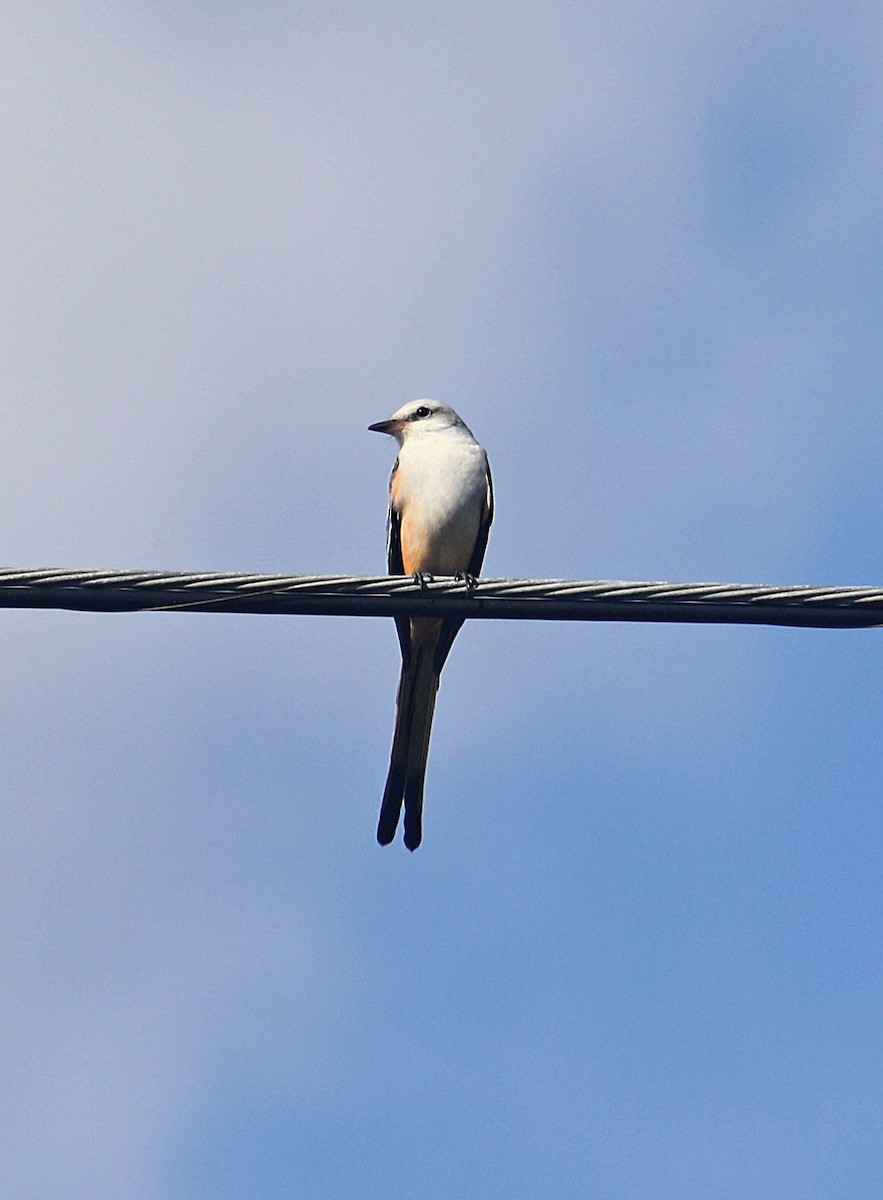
488,599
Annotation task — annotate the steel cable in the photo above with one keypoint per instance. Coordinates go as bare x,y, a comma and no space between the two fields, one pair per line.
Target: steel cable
489,599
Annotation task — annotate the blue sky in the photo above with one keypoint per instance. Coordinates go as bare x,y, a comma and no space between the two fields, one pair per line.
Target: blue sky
639,952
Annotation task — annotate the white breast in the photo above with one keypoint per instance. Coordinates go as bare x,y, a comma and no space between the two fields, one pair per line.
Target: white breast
440,492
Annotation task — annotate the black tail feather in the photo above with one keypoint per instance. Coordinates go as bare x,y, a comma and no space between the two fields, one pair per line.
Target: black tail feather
415,703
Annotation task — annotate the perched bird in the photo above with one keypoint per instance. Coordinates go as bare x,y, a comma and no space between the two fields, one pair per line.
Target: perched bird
441,505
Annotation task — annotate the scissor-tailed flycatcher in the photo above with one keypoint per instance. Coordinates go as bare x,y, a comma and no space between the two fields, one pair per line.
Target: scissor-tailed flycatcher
441,504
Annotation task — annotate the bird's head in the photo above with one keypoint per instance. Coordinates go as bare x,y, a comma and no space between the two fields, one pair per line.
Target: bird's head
419,418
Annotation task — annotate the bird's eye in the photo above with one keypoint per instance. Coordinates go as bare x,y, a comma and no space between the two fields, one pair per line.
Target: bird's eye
421,412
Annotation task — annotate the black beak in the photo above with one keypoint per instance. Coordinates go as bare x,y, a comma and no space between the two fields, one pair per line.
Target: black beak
385,426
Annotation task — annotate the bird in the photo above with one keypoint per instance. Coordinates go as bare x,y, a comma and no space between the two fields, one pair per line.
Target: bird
441,505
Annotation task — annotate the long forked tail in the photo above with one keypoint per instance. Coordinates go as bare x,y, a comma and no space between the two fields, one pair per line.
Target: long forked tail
418,685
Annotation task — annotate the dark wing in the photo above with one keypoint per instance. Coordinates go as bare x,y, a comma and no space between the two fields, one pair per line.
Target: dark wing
487,517
395,566
394,534
451,627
